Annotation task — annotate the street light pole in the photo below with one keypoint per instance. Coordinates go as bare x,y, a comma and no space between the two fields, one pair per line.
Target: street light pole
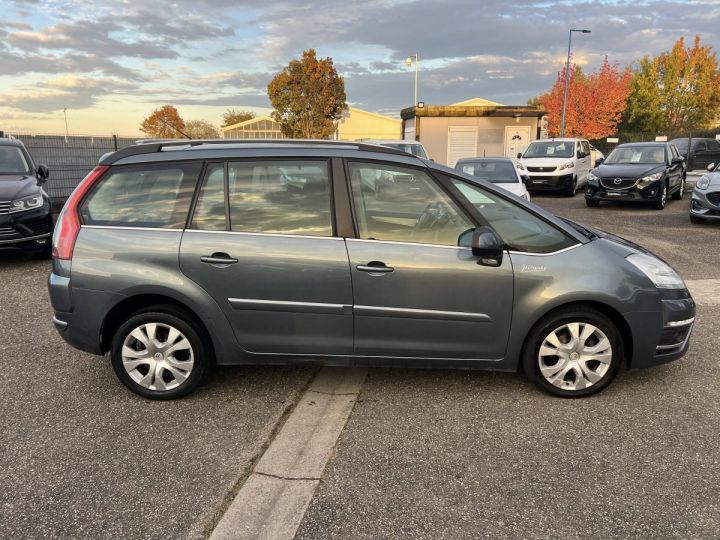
409,62
567,79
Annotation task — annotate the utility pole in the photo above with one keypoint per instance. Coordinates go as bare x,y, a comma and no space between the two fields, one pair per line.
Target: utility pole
409,62
67,132
567,79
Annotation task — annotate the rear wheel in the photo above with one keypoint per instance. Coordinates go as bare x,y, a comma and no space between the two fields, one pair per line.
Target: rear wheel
679,193
160,353
591,203
573,352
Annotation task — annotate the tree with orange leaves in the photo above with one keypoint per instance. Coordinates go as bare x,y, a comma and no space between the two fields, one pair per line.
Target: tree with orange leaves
595,102
164,123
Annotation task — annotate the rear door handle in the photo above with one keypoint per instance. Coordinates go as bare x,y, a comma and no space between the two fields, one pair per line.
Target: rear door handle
375,267
218,258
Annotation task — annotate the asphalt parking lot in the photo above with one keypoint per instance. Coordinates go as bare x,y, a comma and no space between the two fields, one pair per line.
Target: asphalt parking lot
424,454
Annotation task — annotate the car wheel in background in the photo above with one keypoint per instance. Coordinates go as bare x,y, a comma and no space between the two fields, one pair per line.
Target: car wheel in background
591,203
573,352
697,220
572,189
662,201
679,193
160,353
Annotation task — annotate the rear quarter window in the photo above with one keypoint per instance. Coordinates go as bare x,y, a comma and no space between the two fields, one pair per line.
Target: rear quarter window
154,196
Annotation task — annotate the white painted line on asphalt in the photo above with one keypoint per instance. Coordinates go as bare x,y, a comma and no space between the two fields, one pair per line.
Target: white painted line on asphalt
705,292
273,500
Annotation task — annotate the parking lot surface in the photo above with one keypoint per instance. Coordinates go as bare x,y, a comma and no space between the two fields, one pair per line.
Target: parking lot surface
440,454
425,454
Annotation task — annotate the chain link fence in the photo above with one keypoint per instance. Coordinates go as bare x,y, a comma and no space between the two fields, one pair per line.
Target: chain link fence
69,158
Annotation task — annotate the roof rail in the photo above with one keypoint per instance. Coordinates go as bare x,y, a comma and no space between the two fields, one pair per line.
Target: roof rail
153,146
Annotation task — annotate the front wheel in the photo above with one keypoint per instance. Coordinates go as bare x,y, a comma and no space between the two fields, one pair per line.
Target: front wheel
574,352
592,203
572,189
696,220
160,354
662,201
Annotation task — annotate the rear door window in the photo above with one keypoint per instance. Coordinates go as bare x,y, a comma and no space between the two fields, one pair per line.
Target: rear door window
150,195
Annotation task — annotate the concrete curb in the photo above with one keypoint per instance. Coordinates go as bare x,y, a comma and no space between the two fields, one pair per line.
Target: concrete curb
273,500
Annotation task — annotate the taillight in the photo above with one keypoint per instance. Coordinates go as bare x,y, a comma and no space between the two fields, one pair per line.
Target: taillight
68,222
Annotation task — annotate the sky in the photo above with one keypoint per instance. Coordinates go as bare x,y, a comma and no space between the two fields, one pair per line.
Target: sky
110,63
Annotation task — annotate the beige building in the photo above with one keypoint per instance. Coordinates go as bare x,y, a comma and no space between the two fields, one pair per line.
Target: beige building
358,125
472,128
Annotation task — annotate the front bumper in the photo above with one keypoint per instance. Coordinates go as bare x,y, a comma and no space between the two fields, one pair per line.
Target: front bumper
540,182
596,192
664,336
29,230
702,207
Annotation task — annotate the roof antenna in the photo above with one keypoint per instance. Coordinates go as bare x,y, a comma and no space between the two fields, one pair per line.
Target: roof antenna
164,123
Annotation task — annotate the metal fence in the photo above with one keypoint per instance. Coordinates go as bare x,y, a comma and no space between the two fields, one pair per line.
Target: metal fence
69,158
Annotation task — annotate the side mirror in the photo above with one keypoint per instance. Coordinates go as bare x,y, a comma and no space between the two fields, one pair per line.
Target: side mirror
519,155
598,161
711,167
43,173
487,245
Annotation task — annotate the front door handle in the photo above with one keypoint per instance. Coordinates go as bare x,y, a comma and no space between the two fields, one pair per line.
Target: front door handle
218,258
375,267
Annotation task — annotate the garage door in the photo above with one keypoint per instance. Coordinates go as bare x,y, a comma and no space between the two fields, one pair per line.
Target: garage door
462,143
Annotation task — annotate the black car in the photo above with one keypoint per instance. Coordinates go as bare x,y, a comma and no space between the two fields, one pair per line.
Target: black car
25,217
638,172
703,152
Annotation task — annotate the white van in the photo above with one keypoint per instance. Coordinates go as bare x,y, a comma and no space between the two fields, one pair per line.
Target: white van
560,165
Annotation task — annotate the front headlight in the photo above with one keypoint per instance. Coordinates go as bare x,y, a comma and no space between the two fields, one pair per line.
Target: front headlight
520,165
592,178
28,203
661,274
703,182
645,181
568,165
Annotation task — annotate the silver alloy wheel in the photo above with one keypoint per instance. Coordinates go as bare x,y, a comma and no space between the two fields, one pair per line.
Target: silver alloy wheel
157,356
575,356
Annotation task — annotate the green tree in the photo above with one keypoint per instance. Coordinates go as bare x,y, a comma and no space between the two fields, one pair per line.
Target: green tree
308,97
164,123
201,129
232,116
675,91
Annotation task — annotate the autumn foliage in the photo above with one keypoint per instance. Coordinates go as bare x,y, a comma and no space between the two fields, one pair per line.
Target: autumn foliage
595,102
308,97
164,123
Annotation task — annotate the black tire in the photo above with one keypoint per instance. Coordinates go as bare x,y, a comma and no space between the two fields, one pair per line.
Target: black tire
555,320
592,203
678,195
662,201
697,220
572,189
177,318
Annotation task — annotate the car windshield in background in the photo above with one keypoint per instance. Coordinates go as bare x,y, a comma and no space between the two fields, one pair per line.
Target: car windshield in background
629,155
414,149
550,149
497,172
682,144
12,161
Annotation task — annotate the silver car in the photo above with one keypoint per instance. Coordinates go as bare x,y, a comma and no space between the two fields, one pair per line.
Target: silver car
175,257
705,203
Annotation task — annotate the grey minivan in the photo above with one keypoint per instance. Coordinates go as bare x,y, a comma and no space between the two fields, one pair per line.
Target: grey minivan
177,256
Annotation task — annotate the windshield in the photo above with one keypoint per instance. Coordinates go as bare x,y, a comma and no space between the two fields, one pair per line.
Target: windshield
414,149
12,161
628,155
682,144
497,172
551,149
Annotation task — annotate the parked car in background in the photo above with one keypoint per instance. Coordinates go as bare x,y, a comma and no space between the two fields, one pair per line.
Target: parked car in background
500,171
595,154
705,202
411,147
638,172
704,151
25,217
559,165
275,252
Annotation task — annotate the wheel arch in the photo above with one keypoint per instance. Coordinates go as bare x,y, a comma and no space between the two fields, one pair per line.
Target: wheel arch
610,312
